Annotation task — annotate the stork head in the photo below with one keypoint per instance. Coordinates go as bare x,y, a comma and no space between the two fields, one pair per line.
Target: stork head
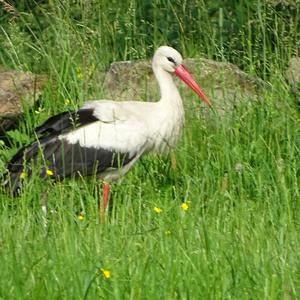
167,58
170,60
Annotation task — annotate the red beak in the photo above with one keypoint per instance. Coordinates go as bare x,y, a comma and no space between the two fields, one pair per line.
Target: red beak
186,77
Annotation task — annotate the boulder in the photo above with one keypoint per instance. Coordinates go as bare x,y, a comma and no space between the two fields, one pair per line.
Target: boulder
224,83
17,89
292,76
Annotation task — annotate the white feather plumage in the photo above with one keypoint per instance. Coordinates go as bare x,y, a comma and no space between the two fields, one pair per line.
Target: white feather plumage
132,126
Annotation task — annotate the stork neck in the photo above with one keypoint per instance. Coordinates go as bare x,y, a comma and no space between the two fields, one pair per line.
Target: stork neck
168,89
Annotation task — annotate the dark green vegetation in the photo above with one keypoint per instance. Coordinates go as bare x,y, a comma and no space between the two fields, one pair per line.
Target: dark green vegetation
239,238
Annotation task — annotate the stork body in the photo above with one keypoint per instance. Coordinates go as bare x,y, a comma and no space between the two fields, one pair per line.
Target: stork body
107,137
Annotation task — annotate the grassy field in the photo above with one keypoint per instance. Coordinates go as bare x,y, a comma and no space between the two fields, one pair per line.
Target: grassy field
237,234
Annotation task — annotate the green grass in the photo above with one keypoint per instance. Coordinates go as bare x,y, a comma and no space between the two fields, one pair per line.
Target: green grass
239,239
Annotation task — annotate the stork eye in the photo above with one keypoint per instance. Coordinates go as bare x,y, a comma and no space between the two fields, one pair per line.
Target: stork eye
171,60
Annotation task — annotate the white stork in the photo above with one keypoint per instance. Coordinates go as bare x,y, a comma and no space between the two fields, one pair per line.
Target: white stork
107,137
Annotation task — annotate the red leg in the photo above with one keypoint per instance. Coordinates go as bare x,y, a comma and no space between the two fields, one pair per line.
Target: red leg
105,197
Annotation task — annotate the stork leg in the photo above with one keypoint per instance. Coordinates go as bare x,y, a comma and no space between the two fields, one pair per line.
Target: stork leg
105,198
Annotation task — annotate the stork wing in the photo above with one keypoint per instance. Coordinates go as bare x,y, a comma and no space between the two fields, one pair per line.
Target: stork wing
73,143
51,128
66,121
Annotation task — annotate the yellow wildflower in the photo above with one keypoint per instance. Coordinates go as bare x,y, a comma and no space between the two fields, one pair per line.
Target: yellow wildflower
105,273
157,210
81,216
49,172
23,175
67,102
184,206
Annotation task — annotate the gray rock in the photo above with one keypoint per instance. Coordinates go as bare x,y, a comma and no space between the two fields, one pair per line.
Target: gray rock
224,83
127,80
16,90
292,76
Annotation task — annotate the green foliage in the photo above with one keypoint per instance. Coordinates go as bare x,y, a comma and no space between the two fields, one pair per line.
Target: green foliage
239,176
252,34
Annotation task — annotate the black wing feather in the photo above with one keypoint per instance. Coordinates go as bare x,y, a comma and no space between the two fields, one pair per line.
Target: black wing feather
62,158
58,124
67,121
